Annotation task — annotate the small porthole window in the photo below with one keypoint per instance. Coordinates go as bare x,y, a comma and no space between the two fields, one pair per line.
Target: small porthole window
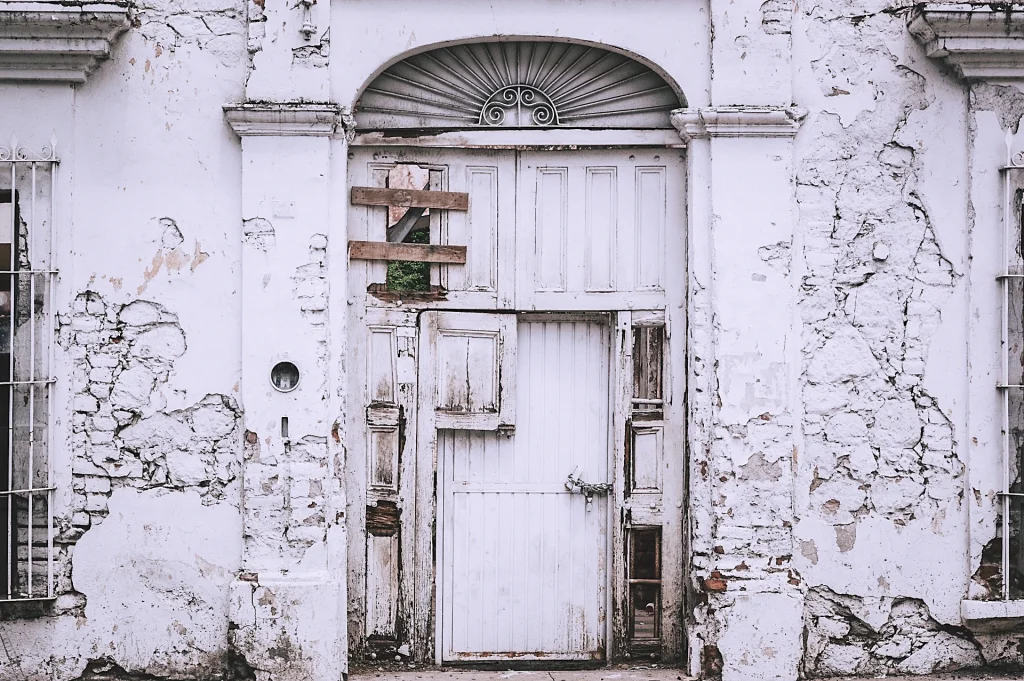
284,377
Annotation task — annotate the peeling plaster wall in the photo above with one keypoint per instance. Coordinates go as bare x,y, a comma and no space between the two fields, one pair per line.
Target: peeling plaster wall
839,330
147,459
881,494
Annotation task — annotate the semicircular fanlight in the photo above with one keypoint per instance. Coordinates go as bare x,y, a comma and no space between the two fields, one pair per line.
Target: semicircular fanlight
517,84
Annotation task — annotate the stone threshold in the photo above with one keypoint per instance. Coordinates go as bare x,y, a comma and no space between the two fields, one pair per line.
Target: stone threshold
620,673
613,673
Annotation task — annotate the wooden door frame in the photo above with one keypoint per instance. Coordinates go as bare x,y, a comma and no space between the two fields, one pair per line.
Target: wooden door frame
422,596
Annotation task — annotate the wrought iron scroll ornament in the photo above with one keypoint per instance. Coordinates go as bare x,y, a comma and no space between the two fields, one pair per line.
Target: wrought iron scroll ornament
13,152
517,84
518,105
1017,160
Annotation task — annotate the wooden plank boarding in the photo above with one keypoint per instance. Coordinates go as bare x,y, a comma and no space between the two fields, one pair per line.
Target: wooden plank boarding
384,250
412,198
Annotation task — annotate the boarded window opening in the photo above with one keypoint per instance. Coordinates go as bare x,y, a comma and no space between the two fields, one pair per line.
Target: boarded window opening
644,585
410,226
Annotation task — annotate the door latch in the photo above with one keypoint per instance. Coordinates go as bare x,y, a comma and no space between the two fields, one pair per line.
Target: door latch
576,485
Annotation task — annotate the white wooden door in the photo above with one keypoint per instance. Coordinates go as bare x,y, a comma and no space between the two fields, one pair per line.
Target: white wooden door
524,558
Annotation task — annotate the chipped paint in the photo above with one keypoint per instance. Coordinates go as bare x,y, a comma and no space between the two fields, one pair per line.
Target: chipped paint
842,501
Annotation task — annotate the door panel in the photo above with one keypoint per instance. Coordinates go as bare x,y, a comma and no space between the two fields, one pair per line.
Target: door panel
594,228
472,358
524,558
487,229
522,567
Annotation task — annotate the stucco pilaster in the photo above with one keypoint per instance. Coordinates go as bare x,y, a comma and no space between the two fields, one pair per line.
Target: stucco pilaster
289,50
288,603
743,314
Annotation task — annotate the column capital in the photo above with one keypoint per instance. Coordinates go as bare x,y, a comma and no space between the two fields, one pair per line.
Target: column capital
738,121
287,119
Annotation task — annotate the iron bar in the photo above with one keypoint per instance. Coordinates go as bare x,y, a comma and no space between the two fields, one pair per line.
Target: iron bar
51,330
14,492
1005,406
30,247
11,524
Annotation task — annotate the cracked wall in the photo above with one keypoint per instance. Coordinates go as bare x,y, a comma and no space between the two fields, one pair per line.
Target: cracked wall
153,495
865,558
881,499
148,434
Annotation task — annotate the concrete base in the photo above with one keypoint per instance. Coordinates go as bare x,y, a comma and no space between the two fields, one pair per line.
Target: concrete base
279,626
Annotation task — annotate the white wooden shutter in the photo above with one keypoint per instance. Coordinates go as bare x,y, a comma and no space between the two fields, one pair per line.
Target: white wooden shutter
470,361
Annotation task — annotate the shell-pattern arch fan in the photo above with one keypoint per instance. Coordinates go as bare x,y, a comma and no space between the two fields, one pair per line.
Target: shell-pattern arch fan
517,84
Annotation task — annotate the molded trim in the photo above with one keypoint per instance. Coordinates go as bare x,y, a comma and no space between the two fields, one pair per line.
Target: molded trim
983,41
738,121
505,138
57,41
285,119
992,615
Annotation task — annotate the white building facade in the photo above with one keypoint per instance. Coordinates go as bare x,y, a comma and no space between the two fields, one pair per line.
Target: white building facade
535,332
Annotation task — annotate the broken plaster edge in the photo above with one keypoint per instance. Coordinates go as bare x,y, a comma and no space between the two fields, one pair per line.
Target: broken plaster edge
738,121
286,119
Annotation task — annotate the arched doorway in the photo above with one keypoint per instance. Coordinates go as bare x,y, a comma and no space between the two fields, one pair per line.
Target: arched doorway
517,281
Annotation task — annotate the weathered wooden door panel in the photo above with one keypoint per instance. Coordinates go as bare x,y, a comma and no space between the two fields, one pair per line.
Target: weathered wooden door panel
598,230
524,558
472,369
473,406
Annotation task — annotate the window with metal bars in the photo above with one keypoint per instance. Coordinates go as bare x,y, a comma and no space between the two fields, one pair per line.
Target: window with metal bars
27,341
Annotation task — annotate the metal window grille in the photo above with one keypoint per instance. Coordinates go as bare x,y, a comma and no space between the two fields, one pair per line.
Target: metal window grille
28,211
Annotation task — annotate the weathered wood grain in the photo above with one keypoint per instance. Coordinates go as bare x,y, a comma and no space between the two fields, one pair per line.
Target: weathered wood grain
383,250
412,198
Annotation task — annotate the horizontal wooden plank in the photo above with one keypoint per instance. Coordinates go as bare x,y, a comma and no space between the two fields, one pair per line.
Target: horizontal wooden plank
413,198
383,250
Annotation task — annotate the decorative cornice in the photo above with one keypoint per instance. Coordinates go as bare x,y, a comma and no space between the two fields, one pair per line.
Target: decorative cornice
57,41
737,121
285,119
982,41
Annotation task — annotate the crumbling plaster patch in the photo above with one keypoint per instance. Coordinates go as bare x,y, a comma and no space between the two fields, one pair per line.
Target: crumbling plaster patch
215,26
284,501
151,537
849,635
880,483
155,576
123,356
